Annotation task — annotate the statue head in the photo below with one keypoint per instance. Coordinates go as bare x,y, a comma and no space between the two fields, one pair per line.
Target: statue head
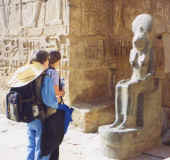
141,27
142,22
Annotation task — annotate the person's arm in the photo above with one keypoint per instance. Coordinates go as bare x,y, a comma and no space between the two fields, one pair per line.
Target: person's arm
48,93
55,77
57,91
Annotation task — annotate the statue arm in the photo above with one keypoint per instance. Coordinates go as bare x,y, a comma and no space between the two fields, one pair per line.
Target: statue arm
132,57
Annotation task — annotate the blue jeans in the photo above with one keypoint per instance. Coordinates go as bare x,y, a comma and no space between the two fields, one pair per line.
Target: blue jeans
34,138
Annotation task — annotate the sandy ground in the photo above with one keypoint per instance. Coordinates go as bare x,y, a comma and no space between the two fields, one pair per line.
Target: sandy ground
76,145
13,142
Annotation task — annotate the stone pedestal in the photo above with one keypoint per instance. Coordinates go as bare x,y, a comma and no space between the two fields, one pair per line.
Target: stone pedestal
125,144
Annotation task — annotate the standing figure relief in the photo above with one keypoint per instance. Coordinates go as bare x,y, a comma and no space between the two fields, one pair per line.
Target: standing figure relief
37,11
60,11
4,14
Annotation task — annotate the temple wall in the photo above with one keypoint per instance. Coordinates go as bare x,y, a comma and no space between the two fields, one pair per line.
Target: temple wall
30,25
91,24
93,36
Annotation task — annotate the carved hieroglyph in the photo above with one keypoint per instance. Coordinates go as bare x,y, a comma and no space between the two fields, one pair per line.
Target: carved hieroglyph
11,51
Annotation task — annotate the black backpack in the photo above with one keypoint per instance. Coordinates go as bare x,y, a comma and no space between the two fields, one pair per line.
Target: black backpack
24,104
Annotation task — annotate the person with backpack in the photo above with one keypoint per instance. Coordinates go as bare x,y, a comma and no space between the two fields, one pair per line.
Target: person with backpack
25,102
32,99
56,124
35,127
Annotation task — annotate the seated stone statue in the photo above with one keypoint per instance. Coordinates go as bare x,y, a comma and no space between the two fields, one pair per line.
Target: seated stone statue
129,93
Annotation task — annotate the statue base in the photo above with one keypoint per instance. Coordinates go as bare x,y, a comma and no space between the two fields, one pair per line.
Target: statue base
122,144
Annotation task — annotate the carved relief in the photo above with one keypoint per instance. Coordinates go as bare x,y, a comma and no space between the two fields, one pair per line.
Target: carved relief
119,51
162,9
60,14
10,58
94,51
121,48
96,16
51,42
64,46
118,16
89,21
89,17
37,12
65,52
57,8
27,14
15,53
4,12
88,53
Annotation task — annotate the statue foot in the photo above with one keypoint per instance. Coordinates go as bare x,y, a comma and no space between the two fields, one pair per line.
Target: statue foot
123,125
115,123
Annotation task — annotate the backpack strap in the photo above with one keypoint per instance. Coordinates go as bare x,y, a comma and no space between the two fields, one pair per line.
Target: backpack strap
41,106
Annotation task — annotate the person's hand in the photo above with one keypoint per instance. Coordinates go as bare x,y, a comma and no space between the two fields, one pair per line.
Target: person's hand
59,99
61,93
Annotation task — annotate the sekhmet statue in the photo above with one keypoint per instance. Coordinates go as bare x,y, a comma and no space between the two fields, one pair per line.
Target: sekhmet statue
138,110
129,93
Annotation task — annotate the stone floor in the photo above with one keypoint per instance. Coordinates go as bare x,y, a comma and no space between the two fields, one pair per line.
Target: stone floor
76,145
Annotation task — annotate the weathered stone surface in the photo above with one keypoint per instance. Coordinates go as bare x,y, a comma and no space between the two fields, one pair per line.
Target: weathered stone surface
162,151
98,38
94,17
60,14
14,20
87,87
88,117
27,14
126,144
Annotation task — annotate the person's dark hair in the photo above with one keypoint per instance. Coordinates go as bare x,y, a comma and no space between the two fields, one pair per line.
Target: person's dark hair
39,56
54,56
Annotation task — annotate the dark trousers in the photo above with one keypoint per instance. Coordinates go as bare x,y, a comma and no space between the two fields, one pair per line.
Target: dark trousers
52,135
55,154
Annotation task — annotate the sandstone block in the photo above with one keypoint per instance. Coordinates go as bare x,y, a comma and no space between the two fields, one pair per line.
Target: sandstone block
89,117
